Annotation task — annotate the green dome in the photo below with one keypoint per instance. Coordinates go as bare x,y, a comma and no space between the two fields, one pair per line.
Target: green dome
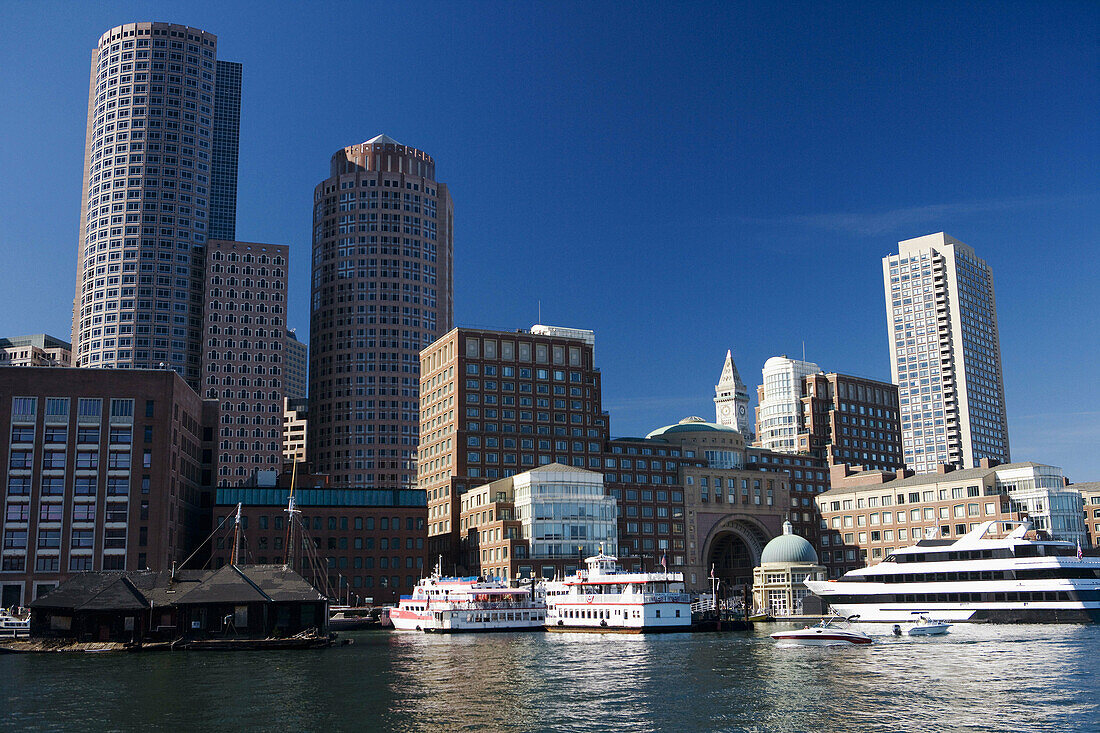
691,425
789,548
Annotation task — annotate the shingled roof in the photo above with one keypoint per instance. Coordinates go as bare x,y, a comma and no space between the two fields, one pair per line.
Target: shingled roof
135,590
250,584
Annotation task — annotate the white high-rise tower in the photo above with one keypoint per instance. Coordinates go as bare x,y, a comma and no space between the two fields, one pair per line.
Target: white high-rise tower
945,353
731,399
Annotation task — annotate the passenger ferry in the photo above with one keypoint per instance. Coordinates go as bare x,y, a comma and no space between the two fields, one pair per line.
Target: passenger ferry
450,605
606,598
1015,579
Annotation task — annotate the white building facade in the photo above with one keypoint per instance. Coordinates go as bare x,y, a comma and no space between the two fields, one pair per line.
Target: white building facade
565,512
779,412
945,354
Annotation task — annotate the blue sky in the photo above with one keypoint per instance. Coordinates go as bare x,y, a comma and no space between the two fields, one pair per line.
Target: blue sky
681,178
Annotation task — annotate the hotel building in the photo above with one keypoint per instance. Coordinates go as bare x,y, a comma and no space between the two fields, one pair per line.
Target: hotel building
159,181
381,291
945,354
99,470
496,403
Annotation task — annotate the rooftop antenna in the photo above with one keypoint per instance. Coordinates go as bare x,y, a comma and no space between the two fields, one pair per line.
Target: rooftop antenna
803,349
540,310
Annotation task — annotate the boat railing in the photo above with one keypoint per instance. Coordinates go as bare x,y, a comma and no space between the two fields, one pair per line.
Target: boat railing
666,598
481,606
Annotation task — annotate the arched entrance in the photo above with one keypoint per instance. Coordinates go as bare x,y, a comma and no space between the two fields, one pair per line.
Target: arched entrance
733,549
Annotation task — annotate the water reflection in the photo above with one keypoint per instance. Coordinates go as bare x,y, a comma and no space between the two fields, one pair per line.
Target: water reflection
977,678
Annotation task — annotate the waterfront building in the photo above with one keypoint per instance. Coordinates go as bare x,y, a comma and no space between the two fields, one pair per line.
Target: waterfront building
779,403
262,601
1090,500
539,523
495,403
945,354
295,429
381,291
731,399
295,366
866,515
244,303
357,542
778,583
99,470
851,420
159,181
38,350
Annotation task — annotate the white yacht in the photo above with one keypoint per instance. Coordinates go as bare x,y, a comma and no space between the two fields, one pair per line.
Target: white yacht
1014,579
606,598
449,605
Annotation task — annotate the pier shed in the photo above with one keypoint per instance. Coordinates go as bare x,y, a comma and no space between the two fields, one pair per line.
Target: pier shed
252,602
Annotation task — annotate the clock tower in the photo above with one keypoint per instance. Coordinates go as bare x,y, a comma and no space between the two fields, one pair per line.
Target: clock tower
731,400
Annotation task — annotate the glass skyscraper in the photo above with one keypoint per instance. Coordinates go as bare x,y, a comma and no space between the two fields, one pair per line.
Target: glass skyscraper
945,354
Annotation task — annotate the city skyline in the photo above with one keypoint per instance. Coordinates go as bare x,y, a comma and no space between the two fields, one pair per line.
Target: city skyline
619,263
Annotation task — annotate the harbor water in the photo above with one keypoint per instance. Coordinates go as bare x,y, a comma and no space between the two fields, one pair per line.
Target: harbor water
977,678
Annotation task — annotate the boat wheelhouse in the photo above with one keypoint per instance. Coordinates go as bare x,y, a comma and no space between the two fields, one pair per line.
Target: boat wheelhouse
463,604
1020,578
606,598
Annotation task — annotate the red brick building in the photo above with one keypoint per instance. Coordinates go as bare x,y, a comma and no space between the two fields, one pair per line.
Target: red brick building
100,469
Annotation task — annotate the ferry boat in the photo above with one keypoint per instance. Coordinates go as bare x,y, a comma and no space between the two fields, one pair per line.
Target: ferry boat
448,605
606,598
1015,579
14,624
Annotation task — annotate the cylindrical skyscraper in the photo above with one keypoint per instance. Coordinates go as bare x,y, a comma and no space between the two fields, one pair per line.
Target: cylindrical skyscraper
382,291
160,178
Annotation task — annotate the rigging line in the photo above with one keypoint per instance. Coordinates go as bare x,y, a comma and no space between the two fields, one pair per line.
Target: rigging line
221,526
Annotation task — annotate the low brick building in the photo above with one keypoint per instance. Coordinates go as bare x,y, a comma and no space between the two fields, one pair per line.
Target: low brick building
363,543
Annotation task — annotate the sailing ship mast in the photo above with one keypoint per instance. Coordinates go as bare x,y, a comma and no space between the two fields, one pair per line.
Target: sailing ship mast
236,536
291,511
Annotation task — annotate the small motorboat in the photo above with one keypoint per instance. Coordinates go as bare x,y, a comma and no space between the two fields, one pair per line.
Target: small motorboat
926,626
14,623
826,633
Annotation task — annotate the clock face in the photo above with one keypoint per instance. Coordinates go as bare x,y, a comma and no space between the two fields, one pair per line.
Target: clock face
741,410
726,410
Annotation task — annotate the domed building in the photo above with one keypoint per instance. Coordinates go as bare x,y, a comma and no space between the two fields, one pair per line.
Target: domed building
787,561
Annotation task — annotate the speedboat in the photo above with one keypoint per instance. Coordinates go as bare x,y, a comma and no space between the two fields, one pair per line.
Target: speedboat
826,633
926,626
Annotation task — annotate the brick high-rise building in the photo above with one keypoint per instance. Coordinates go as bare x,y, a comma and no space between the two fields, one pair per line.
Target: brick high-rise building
945,354
851,420
381,291
243,353
159,181
496,403
99,470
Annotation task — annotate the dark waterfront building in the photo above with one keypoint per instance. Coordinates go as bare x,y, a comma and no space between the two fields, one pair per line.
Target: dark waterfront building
239,601
381,291
366,543
99,470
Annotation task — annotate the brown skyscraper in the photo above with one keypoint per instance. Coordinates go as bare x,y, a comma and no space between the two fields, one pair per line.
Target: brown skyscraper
382,291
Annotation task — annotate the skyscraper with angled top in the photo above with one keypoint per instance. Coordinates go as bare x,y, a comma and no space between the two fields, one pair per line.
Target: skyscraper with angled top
945,354
381,292
160,179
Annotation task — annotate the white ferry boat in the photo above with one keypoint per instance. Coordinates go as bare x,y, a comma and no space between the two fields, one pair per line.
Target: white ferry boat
606,598
974,578
450,605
